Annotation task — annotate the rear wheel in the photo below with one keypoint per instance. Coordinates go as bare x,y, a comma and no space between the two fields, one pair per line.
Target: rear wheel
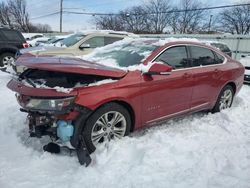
111,121
6,59
225,99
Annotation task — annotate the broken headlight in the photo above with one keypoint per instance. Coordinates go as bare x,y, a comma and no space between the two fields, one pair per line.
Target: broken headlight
57,104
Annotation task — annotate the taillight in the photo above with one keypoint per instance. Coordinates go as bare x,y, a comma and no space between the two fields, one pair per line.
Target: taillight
25,45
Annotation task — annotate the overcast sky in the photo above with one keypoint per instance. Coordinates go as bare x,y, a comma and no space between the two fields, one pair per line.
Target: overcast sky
37,8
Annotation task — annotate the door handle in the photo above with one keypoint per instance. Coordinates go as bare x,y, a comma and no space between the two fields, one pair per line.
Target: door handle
186,75
216,71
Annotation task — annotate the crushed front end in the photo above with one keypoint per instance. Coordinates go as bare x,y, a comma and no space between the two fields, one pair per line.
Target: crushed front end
48,99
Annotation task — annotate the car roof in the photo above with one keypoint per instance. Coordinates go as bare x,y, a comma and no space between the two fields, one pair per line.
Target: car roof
106,32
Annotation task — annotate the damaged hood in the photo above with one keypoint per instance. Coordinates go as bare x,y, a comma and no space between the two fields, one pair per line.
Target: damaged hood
68,65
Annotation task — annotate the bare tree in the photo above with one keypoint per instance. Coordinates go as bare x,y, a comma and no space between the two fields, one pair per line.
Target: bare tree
14,15
40,28
111,22
5,16
135,20
17,9
157,15
236,20
189,19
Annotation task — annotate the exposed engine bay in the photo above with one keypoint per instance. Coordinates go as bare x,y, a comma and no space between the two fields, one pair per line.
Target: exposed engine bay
38,78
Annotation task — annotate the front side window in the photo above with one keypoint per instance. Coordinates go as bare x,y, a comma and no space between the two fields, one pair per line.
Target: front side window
202,56
175,57
110,40
95,42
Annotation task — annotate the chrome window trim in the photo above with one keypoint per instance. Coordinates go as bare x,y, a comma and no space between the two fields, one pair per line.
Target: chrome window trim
176,45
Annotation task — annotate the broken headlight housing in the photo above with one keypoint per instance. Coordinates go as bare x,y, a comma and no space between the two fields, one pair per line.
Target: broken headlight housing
45,104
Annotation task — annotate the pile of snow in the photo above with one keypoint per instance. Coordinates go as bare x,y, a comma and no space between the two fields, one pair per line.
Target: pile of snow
103,55
200,150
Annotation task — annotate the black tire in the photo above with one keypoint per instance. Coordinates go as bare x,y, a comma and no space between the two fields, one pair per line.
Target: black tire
7,54
217,107
91,122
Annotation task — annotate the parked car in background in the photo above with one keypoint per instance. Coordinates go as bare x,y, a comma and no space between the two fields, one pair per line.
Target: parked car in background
128,85
54,41
245,61
31,36
81,43
37,41
221,46
10,42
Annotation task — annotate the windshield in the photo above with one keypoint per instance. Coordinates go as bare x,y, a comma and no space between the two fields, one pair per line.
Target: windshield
73,39
123,53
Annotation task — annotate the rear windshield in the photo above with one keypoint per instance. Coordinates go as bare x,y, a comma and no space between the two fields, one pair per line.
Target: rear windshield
11,35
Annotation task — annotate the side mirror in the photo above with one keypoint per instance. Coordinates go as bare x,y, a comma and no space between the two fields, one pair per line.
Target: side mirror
84,46
159,69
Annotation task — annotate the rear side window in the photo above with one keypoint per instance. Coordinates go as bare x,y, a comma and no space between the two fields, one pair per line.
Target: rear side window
202,56
11,35
219,58
175,57
95,42
110,40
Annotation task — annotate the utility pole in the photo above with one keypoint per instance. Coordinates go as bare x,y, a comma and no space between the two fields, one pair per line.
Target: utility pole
61,8
209,25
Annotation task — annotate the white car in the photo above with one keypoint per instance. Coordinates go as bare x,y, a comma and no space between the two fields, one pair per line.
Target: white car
36,41
245,60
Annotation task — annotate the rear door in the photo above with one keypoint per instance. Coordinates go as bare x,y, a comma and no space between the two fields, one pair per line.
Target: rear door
165,96
207,74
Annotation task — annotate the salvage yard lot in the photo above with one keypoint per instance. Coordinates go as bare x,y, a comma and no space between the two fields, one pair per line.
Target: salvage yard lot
200,150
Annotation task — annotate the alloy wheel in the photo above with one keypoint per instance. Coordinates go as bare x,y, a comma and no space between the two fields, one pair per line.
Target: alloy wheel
109,126
226,99
8,60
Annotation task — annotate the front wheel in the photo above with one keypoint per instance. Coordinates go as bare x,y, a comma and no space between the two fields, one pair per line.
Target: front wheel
111,121
6,59
225,99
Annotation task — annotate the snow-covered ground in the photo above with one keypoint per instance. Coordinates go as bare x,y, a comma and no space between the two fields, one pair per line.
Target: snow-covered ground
200,150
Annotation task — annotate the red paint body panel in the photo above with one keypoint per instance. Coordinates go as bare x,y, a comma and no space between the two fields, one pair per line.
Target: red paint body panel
71,65
19,87
153,98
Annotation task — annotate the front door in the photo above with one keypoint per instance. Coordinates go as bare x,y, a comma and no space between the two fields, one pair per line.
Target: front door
168,95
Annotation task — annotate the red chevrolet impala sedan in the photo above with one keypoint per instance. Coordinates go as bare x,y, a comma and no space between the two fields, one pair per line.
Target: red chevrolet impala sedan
123,87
